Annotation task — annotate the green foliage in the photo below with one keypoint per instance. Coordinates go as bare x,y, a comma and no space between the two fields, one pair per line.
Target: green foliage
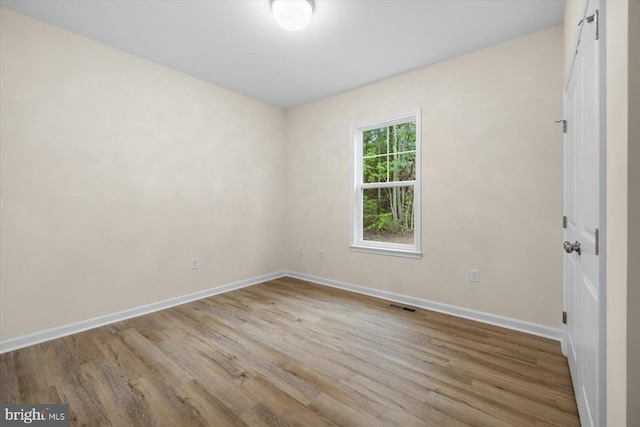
386,223
389,156
389,153
370,214
380,215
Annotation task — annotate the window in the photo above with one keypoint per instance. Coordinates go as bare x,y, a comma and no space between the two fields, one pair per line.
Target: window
386,191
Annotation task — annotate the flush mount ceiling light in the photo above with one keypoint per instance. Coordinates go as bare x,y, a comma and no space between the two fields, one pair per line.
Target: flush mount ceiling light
292,15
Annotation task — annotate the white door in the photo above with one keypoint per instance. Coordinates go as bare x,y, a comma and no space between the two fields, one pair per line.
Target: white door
581,208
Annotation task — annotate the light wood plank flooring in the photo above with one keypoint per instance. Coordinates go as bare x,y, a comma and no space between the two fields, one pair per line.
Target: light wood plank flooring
288,352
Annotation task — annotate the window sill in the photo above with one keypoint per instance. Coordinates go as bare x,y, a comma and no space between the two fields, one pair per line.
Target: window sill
386,251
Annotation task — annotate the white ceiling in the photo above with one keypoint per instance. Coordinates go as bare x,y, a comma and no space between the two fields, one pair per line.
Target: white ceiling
237,44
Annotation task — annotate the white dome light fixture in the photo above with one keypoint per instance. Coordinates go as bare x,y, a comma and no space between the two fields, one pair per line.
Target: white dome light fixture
292,15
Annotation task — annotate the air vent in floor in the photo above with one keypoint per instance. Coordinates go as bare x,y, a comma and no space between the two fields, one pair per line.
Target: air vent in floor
400,307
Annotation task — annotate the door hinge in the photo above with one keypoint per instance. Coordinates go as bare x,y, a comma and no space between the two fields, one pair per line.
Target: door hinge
564,222
592,18
564,317
597,241
564,125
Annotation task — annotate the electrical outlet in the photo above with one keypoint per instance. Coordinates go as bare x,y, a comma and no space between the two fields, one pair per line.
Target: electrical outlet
475,276
300,250
194,263
320,253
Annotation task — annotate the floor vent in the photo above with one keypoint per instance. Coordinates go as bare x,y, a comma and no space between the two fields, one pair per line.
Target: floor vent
399,307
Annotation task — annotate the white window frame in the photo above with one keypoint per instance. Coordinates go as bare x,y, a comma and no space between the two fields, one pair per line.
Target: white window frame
358,244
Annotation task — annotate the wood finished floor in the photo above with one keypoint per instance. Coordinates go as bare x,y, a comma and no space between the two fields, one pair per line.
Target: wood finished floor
288,352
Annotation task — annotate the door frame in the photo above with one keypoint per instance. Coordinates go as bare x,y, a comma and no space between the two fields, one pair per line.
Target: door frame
602,345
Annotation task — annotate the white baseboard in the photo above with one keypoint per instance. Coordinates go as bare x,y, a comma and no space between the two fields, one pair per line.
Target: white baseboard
492,319
83,325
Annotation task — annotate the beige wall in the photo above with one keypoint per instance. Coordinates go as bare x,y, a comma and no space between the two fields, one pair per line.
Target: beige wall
633,243
115,172
492,159
617,186
623,211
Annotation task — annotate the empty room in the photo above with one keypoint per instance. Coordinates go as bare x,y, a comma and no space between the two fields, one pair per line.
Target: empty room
320,212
